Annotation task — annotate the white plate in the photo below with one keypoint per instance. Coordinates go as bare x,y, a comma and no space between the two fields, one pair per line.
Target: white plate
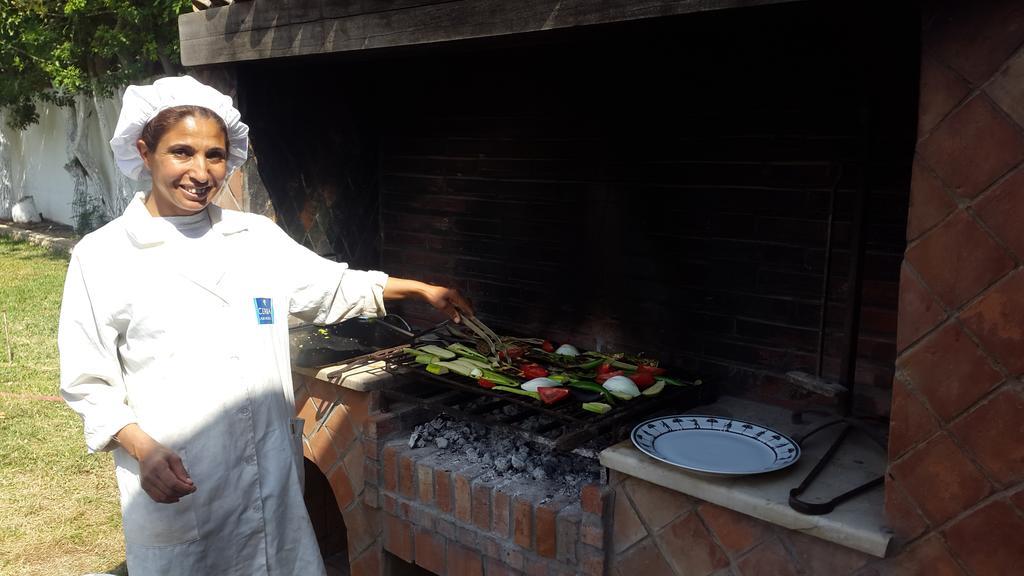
715,444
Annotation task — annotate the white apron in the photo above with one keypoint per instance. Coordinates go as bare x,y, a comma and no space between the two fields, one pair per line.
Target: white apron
198,356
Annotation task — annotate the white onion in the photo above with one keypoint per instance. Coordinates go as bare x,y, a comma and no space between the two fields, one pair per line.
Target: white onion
532,385
621,385
567,350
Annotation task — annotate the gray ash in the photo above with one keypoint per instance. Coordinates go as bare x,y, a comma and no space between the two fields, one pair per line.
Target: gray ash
506,458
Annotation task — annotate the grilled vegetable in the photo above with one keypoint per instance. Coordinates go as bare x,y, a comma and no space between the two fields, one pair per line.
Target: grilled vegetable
467,352
652,370
592,387
621,387
643,380
427,359
462,369
436,369
655,389
531,371
674,382
518,391
547,346
603,377
437,351
567,350
498,378
552,395
596,407
542,382
485,383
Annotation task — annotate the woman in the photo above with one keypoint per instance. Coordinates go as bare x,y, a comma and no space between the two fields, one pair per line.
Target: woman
174,346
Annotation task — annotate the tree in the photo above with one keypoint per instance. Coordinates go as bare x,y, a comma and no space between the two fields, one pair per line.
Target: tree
51,50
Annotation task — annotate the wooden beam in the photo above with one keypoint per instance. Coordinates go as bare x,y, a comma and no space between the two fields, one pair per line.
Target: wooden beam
272,29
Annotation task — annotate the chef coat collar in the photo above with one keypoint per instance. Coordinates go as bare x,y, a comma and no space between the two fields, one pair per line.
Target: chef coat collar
144,232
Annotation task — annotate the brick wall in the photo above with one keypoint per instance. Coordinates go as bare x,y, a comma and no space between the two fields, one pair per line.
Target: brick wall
956,461
616,190
449,519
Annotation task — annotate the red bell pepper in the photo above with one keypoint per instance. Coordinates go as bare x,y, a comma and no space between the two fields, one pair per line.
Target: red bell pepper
485,383
600,378
547,346
531,371
652,370
604,368
552,395
643,380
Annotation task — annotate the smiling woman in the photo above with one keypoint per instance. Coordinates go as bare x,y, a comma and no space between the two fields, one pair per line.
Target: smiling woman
173,355
185,150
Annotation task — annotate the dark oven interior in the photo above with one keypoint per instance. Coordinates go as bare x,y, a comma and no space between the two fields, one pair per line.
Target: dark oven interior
660,186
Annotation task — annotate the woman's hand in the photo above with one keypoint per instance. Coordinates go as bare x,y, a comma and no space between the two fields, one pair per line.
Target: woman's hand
161,472
447,300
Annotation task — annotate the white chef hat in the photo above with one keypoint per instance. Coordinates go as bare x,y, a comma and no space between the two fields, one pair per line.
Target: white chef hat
142,103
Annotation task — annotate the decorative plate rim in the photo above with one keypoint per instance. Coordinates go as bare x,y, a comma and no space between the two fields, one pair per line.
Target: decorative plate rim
779,463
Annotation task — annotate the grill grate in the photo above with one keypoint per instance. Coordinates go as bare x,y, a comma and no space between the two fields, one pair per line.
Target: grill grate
566,426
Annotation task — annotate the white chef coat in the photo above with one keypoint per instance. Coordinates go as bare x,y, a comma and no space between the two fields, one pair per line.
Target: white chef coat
198,356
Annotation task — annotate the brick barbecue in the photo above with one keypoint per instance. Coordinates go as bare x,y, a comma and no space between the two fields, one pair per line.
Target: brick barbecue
661,185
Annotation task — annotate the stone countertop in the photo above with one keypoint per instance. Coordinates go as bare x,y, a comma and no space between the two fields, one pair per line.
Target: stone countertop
366,378
857,523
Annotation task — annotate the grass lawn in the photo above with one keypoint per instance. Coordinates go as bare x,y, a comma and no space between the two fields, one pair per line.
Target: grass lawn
59,511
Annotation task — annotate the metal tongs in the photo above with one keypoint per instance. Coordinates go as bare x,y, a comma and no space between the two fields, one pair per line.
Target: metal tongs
489,337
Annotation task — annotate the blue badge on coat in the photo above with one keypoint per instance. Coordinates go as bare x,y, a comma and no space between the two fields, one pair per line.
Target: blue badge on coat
264,310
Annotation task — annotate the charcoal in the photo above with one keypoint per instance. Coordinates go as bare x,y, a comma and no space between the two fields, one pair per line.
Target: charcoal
441,443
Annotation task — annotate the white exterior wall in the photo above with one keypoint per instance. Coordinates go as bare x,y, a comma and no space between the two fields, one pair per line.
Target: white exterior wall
32,161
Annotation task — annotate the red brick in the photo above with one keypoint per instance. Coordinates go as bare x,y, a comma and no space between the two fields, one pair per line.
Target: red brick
592,534
301,395
500,516
359,404
494,567
817,556
593,499
996,320
464,562
371,448
919,311
406,476
769,559
955,36
1007,90
993,433
372,472
368,563
482,504
342,487
949,370
644,559
371,496
689,548
391,468
736,532
536,567
958,259
901,514
469,536
927,557
998,208
592,562
511,556
361,533
321,445
929,201
390,504
909,423
1017,498
657,506
568,529
940,90
940,479
463,498
341,428
325,393
354,462
430,550
972,147
398,538
546,528
522,522
990,540
423,516
443,490
425,483
627,529
447,529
